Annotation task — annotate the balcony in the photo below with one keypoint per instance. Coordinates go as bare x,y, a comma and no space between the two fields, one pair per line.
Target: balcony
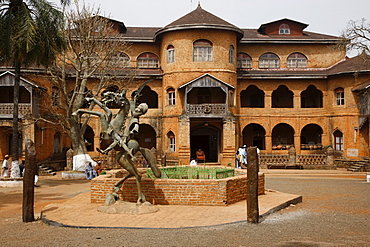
6,109
206,110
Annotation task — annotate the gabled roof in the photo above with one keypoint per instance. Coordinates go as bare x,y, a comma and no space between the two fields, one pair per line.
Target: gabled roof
203,77
23,80
263,26
200,18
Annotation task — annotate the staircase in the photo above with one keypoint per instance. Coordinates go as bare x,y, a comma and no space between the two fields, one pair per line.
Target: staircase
45,170
359,166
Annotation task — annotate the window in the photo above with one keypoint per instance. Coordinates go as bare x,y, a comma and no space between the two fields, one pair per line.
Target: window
338,140
269,61
148,60
339,96
172,141
120,59
284,29
297,60
231,54
244,61
171,96
170,54
202,51
55,96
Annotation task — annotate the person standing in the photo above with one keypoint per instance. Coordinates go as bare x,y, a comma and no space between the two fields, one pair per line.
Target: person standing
90,172
5,167
243,156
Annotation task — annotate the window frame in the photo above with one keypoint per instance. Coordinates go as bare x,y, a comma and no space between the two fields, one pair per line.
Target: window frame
171,96
243,61
269,60
297,60
170,54
202,51
339,96
284,29
151,61
231,54
338,141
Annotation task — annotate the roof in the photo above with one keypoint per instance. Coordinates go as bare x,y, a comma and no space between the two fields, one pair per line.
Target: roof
200,18
23,80
362,86
351,65
205,76
263,26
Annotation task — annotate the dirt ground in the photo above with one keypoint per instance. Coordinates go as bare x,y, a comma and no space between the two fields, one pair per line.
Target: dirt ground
335,212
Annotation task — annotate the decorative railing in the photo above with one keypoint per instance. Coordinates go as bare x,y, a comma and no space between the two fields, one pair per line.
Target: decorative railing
206,110
311,159
7,108
272,159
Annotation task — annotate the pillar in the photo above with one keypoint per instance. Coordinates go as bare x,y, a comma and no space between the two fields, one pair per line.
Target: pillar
183,140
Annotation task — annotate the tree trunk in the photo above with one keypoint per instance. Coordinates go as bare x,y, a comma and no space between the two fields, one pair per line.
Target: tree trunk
28,183
15,141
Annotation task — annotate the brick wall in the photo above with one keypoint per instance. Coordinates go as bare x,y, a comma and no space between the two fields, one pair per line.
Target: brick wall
177,191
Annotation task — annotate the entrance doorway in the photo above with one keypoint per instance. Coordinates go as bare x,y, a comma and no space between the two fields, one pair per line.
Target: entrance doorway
206,138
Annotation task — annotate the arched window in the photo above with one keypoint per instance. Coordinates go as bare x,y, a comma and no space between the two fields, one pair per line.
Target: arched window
55,96
171,141
231,54
311,98
339,96
57,139
244,61
202,51
282,98
89,138
148,60
338,140
170,54
171,96
120,59
284,29
296,60
269,61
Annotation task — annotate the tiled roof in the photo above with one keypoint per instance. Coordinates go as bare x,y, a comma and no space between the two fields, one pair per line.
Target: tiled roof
200,18
350,65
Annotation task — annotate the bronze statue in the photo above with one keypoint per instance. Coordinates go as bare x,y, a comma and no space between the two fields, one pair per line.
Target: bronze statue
114,130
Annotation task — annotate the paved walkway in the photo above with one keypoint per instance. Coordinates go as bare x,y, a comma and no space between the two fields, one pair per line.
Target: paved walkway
79,212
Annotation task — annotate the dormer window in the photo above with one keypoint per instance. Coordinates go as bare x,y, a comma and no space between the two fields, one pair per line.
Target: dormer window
284,29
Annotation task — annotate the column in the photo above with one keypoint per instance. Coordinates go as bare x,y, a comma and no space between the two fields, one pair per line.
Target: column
183,140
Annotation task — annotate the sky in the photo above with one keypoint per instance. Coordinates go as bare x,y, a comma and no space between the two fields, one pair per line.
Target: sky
322,16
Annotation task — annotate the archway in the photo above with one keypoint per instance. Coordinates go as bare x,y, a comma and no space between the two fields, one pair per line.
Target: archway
282,136
254,135
147,136
206,138
311,137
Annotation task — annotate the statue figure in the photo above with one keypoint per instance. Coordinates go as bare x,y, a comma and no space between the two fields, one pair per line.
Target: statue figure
114,129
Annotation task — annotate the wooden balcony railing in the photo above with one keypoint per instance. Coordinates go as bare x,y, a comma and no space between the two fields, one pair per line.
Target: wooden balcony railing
206,110
6,109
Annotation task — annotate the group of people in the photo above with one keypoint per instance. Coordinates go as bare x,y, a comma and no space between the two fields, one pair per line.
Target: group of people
241,157
92,172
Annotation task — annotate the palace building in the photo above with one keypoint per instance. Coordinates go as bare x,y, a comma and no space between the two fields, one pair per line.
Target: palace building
216,87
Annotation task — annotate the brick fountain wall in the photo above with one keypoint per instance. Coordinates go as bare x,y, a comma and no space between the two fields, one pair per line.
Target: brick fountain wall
220,192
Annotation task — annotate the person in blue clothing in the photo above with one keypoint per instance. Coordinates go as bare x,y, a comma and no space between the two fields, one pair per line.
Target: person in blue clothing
90,172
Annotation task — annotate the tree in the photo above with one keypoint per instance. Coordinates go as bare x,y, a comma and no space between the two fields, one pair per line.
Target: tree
30,34
93,58
357,36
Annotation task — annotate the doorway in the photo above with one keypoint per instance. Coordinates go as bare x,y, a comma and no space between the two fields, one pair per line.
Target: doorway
206,138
